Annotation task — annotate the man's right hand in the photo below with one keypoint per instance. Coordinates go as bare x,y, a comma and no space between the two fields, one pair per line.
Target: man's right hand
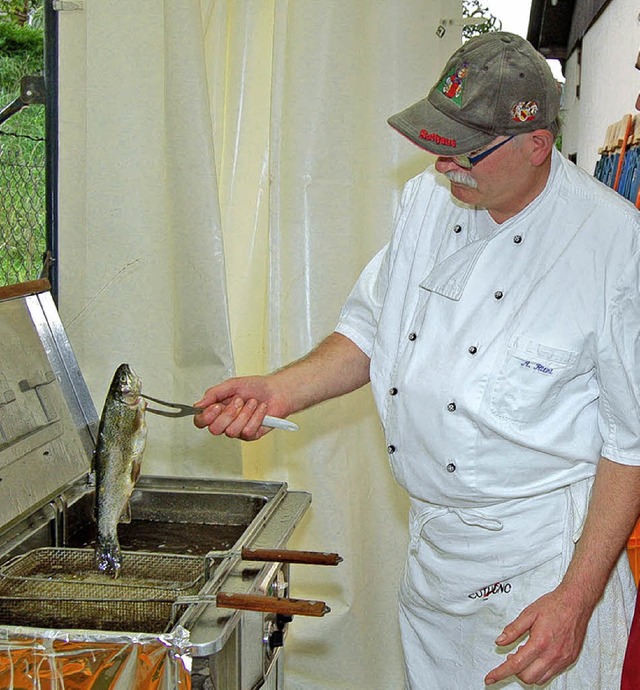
237,406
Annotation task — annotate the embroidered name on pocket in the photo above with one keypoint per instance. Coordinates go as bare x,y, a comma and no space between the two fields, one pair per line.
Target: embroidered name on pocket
529,380
536,367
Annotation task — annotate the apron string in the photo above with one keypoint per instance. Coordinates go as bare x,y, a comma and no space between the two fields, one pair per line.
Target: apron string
469,516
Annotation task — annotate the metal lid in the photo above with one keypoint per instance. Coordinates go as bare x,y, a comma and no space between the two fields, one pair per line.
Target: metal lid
47,418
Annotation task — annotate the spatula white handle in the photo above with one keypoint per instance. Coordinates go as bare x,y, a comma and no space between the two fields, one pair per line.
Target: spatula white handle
277,423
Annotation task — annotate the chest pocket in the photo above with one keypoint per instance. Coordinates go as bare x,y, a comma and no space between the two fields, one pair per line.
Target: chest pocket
530,379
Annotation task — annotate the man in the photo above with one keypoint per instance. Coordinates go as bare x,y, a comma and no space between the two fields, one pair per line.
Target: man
499,329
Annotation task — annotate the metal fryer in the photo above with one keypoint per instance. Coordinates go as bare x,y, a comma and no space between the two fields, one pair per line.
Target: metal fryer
191,542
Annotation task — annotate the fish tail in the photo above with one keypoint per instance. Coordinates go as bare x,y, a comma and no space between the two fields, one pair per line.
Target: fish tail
108,558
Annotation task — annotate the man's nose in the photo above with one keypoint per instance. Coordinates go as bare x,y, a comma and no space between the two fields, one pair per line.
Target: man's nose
445,164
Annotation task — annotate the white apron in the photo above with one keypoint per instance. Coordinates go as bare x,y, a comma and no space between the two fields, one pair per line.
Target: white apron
461,587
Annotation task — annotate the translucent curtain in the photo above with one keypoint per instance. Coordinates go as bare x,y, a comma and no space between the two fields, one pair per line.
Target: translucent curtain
226,172
141,256
309,176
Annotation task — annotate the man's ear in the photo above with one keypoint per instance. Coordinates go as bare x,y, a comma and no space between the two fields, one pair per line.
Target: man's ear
541,143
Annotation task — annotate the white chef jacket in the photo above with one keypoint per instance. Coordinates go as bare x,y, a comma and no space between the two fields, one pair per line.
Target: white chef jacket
504,365
504,362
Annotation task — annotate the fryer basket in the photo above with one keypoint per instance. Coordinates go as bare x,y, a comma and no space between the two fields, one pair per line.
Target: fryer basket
62,588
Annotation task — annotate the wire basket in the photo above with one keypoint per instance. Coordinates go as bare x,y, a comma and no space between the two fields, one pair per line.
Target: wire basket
62,588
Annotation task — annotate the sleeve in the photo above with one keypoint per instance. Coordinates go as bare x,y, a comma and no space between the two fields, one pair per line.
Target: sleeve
360,314
619,370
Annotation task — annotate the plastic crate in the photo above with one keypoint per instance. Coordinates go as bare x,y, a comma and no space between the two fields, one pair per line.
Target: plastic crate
633,551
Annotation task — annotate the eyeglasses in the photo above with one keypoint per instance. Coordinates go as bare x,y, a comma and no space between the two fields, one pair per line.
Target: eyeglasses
466,161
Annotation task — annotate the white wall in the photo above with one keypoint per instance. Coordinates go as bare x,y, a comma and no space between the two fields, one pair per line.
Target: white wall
609,82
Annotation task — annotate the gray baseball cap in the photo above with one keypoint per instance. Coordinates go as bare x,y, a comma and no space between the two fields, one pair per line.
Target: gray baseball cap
494,84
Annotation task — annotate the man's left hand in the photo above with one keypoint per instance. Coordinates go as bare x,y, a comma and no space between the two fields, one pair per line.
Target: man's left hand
556,624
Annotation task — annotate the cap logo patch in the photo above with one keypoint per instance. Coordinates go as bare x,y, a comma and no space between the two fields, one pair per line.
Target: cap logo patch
524,111
437,139
453,84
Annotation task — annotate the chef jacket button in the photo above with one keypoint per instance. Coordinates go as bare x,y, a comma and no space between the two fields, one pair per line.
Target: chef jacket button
393,391
498,294
517,239
391,450
457,229
412,336
451,467
472,349
451,407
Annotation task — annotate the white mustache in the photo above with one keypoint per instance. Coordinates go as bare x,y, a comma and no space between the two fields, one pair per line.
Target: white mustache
461,178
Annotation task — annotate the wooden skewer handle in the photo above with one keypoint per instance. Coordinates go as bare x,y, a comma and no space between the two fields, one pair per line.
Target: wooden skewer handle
289,556
286,607
21,289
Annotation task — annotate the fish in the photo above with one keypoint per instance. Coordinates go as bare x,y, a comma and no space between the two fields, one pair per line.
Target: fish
122,436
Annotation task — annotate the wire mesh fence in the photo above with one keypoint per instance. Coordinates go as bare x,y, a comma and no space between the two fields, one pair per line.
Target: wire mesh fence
22,198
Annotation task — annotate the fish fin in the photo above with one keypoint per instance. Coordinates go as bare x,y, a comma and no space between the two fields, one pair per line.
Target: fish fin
136,466
125,515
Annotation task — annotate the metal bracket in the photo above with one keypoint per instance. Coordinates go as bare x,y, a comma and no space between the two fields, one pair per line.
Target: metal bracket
67,5
32,90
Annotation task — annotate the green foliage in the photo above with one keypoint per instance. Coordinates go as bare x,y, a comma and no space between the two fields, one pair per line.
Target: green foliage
22,196
20,41
473,8
21,53
22,176
22,12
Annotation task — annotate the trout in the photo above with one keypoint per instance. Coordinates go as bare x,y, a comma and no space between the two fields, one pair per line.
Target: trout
122,435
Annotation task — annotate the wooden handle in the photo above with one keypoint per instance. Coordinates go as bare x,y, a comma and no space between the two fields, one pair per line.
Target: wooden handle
288,556
22,289
286,607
